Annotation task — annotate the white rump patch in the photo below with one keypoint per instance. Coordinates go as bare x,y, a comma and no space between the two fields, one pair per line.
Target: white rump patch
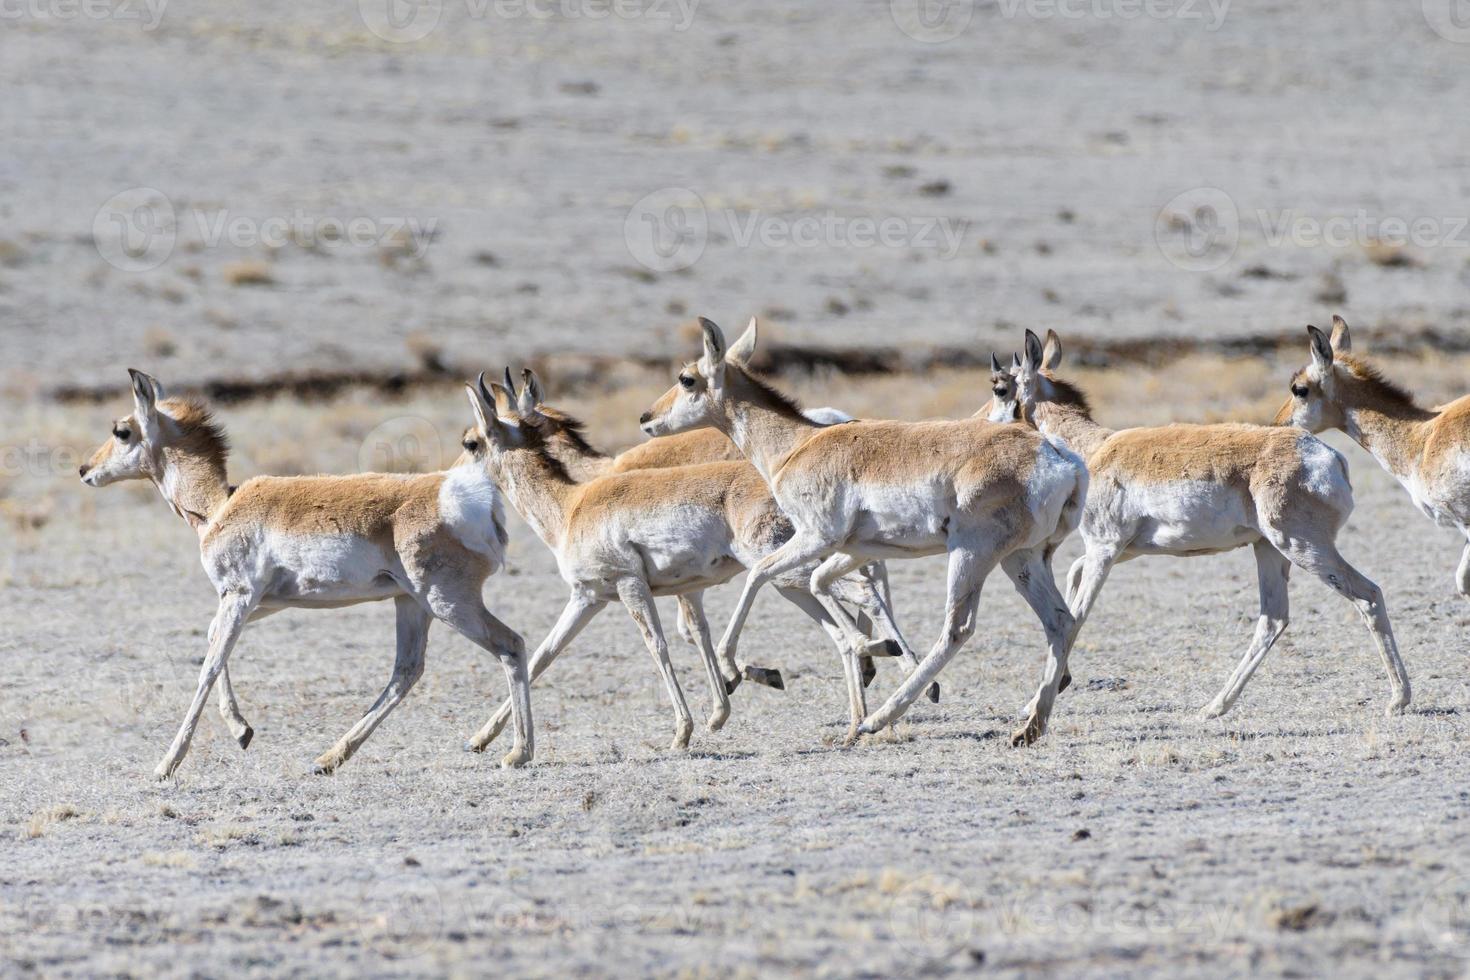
473,510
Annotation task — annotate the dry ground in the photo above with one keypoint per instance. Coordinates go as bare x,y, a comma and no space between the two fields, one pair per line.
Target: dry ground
1303,834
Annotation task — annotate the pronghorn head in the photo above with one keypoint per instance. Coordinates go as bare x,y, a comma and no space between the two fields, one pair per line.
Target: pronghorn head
1036,383
135,449
492,436
1315,402
559,434
698,398
1005,393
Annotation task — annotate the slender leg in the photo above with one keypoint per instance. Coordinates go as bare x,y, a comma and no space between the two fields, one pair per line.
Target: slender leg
408,667
691,610
851,668
1273,571
1031,574
798,551
1462,574
229,710
234,610
579,611
863,593
1074,577
638,600
1323,560
968,567
465,612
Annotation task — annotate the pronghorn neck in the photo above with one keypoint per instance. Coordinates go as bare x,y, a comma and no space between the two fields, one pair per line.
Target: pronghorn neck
1062,411
1380,416
194,486
765,425
540,490
565,444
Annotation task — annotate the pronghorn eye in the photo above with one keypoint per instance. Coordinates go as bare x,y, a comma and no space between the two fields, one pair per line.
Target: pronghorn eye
686,382
122,435
1301,391
471,444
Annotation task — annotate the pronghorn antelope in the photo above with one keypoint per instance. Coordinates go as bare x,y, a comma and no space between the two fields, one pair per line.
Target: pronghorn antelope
986,494
632,536
1428,451
564,440
427,542
1189,490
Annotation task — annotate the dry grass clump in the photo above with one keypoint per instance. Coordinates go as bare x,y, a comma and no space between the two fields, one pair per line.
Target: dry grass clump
249,273
42,820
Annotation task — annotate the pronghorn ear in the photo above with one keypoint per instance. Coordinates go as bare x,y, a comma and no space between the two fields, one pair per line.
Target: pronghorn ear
1032,358
744,349
712,365
147,393
1051,355
480,405
1321,350
1341,339
505,402
1015,361
529,400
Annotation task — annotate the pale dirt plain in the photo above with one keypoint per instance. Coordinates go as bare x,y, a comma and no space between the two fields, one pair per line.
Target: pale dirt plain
1302,835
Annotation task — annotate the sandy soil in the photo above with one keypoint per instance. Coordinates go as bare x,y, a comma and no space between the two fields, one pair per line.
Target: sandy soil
1304,834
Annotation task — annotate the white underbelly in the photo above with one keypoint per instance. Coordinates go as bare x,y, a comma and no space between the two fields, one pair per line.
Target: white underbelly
1189,518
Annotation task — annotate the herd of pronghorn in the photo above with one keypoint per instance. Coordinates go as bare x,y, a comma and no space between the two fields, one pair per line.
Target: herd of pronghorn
738,478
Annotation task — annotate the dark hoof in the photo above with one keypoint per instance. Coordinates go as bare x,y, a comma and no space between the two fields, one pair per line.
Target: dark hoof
321,771
934,692
869,671
1064,683
730,686
244,739
766,677
470,747
889,648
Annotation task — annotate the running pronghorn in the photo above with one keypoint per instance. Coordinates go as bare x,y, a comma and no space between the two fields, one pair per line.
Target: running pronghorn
564,440
1189,490
632,536
986,494
1427,450
427,542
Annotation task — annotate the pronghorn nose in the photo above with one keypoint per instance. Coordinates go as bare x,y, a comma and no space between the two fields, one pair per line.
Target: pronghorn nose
646,418
82,470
